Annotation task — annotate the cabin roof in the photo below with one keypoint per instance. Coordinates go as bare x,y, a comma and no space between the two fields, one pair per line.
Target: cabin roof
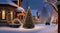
8,2
20,9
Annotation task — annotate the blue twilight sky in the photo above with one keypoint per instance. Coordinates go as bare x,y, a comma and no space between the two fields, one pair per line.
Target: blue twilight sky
37,5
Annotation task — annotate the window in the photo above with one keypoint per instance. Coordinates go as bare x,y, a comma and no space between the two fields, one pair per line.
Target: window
3,14
11,15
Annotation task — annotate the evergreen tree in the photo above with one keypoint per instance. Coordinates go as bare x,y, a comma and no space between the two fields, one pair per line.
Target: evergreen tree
28,20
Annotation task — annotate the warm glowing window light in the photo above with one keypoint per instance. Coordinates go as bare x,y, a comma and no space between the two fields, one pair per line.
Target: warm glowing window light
3,14
11,15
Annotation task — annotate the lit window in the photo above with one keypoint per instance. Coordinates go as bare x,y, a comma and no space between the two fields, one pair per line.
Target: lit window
11,15
3,14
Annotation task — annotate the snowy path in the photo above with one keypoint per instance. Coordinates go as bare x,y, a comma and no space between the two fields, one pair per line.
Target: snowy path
39,28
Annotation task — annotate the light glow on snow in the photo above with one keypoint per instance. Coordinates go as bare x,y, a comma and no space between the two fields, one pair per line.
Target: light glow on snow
39,28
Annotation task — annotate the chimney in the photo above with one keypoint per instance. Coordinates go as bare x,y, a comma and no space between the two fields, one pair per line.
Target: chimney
19,3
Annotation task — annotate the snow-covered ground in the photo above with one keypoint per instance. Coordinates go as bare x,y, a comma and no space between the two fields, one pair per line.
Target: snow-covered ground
39,28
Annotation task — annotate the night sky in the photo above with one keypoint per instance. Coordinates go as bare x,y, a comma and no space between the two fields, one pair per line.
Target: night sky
37,5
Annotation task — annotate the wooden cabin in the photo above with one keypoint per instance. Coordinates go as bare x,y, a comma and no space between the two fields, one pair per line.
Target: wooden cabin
8,12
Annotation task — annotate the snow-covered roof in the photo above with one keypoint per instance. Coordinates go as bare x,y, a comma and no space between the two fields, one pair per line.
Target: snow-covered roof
9,2
20,9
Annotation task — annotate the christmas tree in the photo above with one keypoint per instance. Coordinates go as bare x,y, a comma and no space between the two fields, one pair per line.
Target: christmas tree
28,20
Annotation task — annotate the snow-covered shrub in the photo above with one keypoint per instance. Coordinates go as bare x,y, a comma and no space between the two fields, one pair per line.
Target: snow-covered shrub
15,23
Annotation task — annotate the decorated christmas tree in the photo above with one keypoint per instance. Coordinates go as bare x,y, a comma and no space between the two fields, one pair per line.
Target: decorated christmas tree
28,20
